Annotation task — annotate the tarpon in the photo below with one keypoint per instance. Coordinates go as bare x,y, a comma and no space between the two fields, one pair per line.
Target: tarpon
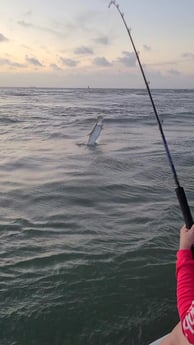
95,133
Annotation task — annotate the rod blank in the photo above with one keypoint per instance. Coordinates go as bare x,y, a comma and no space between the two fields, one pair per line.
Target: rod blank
181,196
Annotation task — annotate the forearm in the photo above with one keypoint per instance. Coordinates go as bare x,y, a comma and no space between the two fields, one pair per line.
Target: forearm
185,292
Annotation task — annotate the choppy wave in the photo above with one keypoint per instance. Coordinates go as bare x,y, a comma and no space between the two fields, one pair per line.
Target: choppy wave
88,236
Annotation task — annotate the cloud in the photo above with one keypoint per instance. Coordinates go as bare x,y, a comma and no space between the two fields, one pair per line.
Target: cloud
7,62
173,72
87,20
188,56
102,61
147,48
128,59
28,13
83,50
33,61
55,67
25,24
3,38
104,40
69,62
41,28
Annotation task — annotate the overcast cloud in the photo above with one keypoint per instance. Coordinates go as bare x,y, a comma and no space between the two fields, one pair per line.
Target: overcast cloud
102,61
3,38
83,51
69,62
33,61
128,59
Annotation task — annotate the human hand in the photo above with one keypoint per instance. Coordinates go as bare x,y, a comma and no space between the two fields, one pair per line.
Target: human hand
186,237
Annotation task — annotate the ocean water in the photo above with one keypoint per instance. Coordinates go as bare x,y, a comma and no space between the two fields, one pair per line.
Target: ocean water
88,236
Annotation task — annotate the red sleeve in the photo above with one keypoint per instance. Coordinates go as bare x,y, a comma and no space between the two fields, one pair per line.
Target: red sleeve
185,292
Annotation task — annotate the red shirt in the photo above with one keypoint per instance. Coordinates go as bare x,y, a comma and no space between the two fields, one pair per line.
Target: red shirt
185,292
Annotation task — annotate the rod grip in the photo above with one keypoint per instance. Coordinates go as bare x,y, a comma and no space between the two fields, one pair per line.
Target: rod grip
185,210
184,206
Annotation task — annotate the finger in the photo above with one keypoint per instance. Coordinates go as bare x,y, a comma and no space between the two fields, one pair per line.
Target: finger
184,230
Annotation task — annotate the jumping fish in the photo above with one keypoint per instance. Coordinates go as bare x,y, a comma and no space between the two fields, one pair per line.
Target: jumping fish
95,133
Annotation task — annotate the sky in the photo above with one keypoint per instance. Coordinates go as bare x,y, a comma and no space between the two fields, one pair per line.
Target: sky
81,43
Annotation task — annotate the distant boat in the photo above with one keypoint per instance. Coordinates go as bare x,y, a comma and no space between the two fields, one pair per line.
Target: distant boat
95,133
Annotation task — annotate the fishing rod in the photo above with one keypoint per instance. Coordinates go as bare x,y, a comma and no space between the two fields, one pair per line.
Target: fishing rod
181,196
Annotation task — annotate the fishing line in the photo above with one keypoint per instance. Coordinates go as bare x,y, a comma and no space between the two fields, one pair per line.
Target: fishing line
181,196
